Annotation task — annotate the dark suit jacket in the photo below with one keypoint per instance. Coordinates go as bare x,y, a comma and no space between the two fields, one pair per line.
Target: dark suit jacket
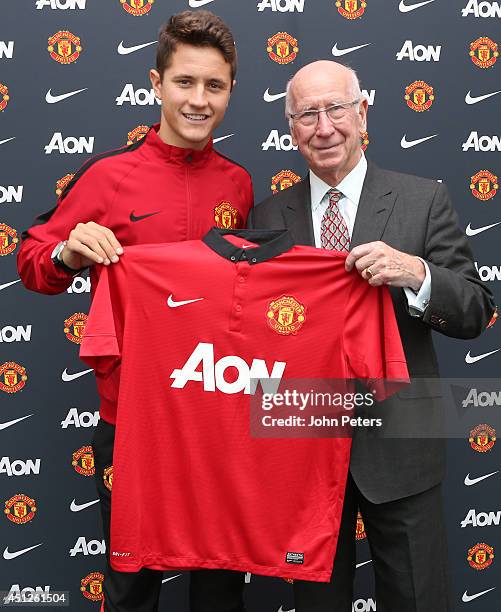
413,215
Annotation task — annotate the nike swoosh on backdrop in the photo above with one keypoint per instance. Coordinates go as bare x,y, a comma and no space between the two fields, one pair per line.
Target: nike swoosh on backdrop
122,50
172,304
10,423
50,99
466,598
470,359
407,144
5,285
170,578
8,555
405,8
469,99
68,377
74,507
338,52
222,138
363,563
197,3
268,97
473,232
7,140
281,609
473,481
133,217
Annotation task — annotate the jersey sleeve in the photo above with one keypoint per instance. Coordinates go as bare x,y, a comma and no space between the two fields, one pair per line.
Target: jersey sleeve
102,342
372,344
83,200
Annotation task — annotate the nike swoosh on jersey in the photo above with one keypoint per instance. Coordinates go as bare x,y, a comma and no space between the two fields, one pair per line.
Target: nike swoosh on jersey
123,50
5,285
363,563
74,507
68,377
172,304
473,481
170,578
133,217
466,598
197,3
50,99
7,140
469,99
407,144
338,52
222,138
12,555
470,359
473,232
248,246
268,97
405,8
13,422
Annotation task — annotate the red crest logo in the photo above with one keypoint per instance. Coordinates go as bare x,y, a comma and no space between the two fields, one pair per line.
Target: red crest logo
62,182
20,509
226,216
4,92
360,528
283,180
83,461
484,185
285,315
64,47
480,556
419,96
138,8
137,133
92,586
74,327
12,377
351,9
282,48
8,239
484,52
108,477
482,438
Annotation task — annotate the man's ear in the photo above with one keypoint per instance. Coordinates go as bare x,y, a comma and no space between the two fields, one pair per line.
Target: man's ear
156,83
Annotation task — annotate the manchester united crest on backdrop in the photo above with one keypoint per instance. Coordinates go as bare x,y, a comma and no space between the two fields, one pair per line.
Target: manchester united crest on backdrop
282,48
64,47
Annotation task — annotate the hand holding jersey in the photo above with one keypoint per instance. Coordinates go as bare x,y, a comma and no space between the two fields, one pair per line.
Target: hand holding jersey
88,244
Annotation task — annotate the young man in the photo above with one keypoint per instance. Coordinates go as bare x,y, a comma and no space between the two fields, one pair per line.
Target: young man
170,186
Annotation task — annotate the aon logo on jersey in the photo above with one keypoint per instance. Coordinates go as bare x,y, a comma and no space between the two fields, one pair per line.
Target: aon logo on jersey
201,367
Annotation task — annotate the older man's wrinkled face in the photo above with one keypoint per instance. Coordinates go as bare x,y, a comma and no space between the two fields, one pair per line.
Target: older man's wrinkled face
331,146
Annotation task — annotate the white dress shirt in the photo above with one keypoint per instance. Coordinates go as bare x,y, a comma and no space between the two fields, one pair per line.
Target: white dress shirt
351,188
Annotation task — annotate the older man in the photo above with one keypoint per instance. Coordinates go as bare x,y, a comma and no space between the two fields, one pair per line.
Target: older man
401,231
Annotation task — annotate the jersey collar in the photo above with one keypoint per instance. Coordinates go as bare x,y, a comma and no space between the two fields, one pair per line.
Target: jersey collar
270,243
172,153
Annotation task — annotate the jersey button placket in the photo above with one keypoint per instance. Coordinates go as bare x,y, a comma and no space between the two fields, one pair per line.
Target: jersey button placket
242,269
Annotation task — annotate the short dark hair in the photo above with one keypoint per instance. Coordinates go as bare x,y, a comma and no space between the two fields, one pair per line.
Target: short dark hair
197,28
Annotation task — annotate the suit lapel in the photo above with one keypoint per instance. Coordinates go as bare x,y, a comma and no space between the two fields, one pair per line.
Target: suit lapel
375,207
297,212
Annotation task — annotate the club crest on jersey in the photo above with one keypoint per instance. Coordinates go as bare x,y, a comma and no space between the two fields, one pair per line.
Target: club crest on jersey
484,52
74,327
62,183
484,185
419,96
108,477
83,461
8,239
64,47
282,48
283,180
92,586
226,216
4,92
494,318
360,528
364,140
12,377
20,509
285,315
138,8
482,438
480,556
351,9
137,133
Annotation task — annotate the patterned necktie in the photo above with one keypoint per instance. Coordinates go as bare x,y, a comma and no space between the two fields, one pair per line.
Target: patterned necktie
333,229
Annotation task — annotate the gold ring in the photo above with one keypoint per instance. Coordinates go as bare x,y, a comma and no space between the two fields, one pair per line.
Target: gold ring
369,272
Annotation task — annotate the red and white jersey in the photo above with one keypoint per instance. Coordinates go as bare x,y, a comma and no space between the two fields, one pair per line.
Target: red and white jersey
191,324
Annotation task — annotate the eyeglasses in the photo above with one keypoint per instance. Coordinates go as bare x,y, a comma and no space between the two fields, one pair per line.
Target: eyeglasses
335,113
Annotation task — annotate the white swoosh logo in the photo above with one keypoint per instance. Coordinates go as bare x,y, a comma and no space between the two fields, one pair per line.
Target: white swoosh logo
197,3
470,359
172,304
8,555
67,377
404,8
338,52
268,97
467,598
473,232
7,140
469,99
364,563
122,50
10,423
472,481
5,285
407,144
74,507
50,99
248,246
170,578
222,138
281,609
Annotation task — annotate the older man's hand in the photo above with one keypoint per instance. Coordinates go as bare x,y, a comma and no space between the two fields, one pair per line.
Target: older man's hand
381,264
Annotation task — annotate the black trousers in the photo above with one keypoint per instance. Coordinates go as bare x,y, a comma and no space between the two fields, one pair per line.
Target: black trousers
210,590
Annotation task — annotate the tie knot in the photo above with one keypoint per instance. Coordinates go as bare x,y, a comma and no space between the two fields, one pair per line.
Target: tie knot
334,195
